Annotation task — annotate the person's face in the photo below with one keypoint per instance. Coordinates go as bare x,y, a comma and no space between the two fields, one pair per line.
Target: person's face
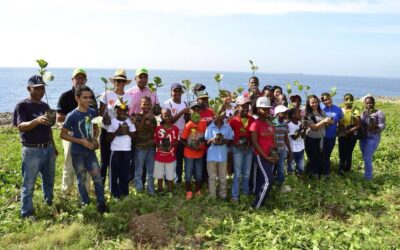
203,101
195,109
297,115
219,120
166,115
253,83
122,113
244,109
79,80
141,80
145,105
369,103
176,94
327,101
85,99
267,93
264,112
348,101
296,103
37,93
282,116
277,93
119,84
313,103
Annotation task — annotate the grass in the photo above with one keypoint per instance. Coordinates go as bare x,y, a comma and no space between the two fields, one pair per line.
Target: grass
335,213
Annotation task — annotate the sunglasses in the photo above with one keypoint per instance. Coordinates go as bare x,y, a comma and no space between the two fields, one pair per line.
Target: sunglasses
120,81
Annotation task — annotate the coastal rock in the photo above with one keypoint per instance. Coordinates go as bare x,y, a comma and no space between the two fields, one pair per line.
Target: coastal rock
6,118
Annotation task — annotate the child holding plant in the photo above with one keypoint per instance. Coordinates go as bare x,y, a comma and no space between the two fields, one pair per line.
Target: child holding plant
166,139
193,139
120,133
219,136
297,132
145,150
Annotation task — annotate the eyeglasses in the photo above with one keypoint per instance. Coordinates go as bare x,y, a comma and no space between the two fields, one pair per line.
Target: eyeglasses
120,81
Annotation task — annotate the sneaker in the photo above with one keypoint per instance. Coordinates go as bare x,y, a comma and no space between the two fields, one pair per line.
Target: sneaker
102,208
198,193
189,195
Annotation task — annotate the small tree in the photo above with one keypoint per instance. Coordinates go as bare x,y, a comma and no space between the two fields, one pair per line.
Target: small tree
253,67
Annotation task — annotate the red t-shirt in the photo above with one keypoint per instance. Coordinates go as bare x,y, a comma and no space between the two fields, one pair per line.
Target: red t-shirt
168,135
265,135
240,127
192,133
207,115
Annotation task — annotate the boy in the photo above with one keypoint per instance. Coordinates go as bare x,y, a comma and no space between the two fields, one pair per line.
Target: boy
145,150
262,135
282,141
119,134
218,136
193,139
166,140
84,143
297,132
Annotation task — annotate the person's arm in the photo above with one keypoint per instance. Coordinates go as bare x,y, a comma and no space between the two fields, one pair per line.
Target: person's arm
102,109
182,112
381,121
287,142
254,138
29,125
52,142
322,123
84,142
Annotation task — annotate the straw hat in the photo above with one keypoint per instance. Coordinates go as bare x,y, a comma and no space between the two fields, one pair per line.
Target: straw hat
120,74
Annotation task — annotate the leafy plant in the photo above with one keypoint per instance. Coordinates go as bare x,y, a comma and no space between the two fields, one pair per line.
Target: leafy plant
300,87
253,67
187,86
156,84
47,76
218,78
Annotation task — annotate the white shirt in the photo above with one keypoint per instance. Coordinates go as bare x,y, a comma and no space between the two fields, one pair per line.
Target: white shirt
175,109
112,98
298,144
121,142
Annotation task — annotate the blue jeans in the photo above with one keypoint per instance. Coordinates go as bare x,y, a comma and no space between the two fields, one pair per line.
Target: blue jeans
329,144
86,161
35,161
280,165
193,166
298,159
144,157
242,161
368,147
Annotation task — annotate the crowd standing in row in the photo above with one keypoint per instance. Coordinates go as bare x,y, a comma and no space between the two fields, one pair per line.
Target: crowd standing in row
257,131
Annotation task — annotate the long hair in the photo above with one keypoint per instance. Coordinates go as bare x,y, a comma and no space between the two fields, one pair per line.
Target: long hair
308,107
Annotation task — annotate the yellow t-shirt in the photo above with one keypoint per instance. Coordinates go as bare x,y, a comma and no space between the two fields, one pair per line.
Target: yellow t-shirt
349,116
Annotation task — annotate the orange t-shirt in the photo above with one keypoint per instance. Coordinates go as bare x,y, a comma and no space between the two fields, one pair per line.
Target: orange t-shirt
191,133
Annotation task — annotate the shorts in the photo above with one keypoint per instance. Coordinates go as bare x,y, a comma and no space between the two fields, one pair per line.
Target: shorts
167,169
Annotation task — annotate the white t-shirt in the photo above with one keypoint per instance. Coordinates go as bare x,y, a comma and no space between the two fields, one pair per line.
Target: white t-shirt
298,144
175,109
112,98
122,142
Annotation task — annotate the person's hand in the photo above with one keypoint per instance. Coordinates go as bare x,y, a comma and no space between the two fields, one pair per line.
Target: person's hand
96,144
290,156
87,144
149,116
119,130
272,159
55,152
186,110
42,120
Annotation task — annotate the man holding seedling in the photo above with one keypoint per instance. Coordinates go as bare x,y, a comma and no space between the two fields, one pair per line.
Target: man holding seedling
38,150
66,104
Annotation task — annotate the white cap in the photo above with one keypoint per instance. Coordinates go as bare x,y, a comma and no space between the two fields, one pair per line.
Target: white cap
263,102
280,109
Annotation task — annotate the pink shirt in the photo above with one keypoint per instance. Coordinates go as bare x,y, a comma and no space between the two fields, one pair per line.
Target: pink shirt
136,93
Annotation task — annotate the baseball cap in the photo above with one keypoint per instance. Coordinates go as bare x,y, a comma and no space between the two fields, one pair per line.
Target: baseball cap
202,94
176,86
78,71
263,102
240,100
198,87
280,109
140,71
195,104
36,81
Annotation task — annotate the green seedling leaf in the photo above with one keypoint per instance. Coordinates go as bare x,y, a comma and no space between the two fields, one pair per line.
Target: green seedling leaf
333,91
157,80
300,87
218,77
48,76
42,63
104,80
239,90
308,87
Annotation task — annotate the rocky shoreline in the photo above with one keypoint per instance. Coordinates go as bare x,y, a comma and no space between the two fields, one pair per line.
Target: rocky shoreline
7,117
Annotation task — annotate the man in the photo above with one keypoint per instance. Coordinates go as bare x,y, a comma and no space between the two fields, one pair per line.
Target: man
66,104
141,90
178,109
38,148
206,113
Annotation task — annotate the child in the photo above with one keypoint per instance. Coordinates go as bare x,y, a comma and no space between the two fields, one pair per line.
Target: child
120,133
145,150
297,132
282,141
166,140
262,135
84,143
193,139
218,136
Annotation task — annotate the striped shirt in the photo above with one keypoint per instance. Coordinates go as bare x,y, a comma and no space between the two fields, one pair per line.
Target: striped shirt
281,129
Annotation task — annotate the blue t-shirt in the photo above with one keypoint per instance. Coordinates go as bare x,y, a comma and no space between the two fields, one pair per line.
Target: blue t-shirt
80,123
337,114
218,153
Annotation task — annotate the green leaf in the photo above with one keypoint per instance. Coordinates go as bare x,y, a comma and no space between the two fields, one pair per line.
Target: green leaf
239,90
48,76
218,77
307,87
105,81
157,80
300,87
42,63
333,91
251,62
296,83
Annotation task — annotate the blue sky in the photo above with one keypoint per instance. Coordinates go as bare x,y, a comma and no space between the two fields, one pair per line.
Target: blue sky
340,37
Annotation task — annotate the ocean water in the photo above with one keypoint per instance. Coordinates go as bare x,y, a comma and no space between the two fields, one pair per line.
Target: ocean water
13,82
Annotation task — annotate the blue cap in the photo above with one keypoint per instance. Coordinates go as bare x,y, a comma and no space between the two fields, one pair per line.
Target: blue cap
36,81
176,86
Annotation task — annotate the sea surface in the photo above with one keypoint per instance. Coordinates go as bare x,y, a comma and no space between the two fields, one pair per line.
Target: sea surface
13,82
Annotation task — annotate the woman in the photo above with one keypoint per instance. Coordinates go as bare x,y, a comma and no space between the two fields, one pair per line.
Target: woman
316,121
276,97
348,127
373,121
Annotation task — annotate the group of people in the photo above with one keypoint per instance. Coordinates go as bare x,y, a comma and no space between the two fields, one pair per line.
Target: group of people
255,136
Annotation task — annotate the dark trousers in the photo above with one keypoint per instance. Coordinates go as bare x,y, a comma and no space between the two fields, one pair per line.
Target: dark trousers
179,162
253,176
315,156
346,148
105,153
329,144
205,171
265,180
119,173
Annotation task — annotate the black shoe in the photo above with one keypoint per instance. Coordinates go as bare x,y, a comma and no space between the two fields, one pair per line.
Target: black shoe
102,208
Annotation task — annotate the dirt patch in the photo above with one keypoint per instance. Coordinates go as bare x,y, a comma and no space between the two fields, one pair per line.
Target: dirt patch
335,212
149,229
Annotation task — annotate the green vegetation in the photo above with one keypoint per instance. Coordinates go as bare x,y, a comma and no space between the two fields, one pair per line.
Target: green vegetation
335,213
